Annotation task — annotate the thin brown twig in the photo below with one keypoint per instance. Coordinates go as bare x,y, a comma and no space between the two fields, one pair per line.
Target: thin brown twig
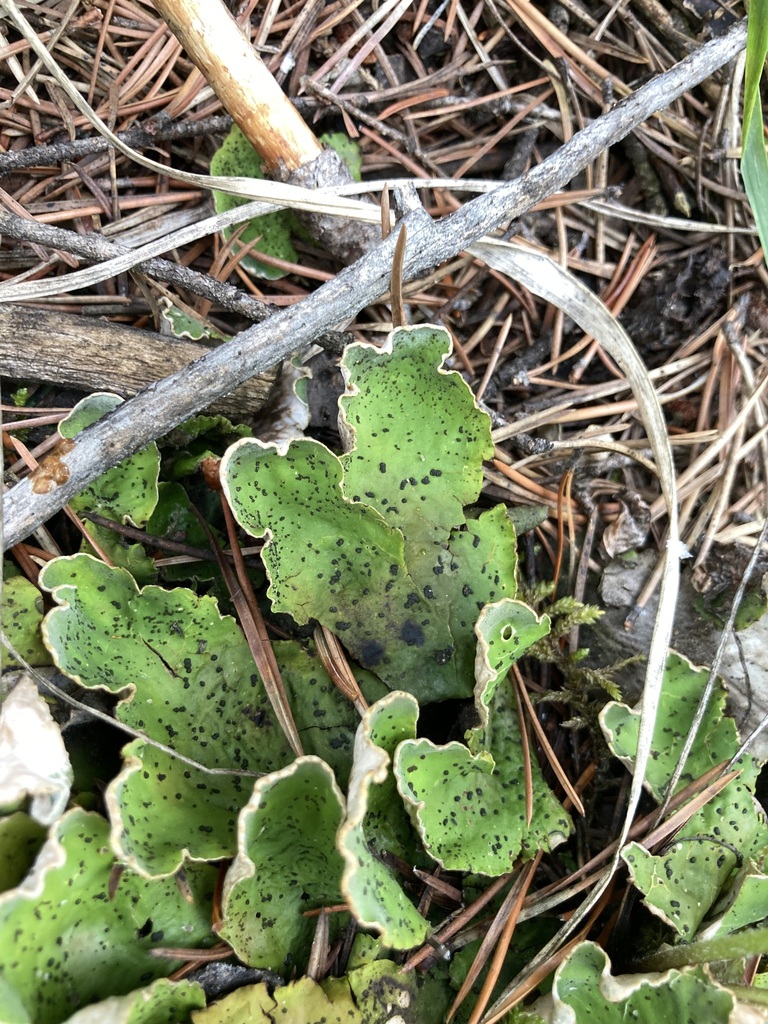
502,947
549,753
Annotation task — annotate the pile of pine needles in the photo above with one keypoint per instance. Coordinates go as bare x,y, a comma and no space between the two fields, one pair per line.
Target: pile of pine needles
455,97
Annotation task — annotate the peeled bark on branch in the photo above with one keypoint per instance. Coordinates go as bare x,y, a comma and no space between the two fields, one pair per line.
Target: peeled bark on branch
264,114
240,79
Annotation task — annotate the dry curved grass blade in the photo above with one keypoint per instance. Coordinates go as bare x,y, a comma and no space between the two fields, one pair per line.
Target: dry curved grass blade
545,278
105,271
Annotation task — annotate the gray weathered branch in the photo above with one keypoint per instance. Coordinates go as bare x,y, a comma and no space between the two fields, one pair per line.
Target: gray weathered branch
140,137
162,406
97,249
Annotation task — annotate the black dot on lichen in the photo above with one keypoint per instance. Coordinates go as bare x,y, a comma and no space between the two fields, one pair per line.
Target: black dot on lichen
412,634
371,653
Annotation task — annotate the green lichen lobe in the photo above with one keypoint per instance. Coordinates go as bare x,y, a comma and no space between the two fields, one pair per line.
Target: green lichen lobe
379,545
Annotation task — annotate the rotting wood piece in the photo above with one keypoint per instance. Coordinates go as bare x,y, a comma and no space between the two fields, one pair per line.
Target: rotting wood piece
95,355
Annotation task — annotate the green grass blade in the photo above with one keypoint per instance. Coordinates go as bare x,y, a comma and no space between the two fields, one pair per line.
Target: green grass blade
754,162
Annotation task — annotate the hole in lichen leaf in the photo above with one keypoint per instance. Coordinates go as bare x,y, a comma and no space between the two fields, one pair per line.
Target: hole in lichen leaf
622,945
94,750
507,633
447,720
761,787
